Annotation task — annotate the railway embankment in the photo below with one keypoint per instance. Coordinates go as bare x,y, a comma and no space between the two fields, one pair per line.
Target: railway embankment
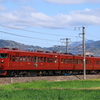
9,80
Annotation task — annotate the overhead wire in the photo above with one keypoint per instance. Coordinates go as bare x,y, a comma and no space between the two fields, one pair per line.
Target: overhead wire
93,35
26,36
35,42
20,21
33,31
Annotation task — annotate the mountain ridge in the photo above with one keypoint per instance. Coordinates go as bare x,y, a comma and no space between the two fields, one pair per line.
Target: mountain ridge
92,47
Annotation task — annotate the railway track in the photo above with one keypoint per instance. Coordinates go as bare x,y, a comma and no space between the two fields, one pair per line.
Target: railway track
9,80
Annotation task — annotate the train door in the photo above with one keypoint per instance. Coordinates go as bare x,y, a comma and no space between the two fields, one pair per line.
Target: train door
53,62
50,62
14,61
66,62
96,61
89,63
45,62
78,63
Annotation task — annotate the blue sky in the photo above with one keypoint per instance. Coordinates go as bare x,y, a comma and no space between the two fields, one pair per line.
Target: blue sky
47,22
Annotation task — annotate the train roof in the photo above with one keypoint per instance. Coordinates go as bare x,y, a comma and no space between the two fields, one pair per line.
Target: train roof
7,50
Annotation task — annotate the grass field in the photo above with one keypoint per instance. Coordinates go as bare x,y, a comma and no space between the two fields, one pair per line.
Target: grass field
43,90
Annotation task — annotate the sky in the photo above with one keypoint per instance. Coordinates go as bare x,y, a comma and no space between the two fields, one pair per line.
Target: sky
48,23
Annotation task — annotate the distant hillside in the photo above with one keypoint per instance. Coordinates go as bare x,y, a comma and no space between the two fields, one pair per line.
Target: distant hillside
78,43
13,44
92,47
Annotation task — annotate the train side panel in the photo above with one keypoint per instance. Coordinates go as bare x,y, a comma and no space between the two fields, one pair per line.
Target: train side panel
89,63
78,63
96,61
33,61
65,62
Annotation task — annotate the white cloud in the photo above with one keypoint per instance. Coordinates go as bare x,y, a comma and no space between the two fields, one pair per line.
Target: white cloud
2,8
27,17
72,1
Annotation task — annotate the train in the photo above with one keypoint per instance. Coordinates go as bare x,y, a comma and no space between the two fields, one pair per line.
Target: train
14,62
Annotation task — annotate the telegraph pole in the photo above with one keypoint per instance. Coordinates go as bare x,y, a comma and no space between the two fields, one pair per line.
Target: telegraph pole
66,44
83,46
84,58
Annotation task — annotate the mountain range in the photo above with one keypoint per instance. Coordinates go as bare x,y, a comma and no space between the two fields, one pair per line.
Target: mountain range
92,47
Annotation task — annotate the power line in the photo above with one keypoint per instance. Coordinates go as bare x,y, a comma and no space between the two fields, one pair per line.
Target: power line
32,31
93,35
35,42
26,36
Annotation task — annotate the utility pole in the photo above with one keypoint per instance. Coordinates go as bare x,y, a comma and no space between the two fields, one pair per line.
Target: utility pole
66,44
84,58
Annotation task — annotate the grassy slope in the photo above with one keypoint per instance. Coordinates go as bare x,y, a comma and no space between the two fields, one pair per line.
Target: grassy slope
43,90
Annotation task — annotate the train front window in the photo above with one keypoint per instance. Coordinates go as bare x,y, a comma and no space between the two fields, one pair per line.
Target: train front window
3,55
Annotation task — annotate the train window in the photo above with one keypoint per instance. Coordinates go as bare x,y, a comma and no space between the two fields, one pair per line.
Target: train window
62,60
35,59
81,61
3,55
87,62
70,61
21,58
16,58
29,59
40,59
13,58
24,58
98,62
49,60
65,60
90,62
45,59
32,59
55,60
78,61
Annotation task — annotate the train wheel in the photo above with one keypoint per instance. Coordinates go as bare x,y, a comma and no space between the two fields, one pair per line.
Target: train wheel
12,74
50,73
63,72
45,73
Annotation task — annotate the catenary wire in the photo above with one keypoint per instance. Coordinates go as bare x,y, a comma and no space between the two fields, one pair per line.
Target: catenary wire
26,36
33,31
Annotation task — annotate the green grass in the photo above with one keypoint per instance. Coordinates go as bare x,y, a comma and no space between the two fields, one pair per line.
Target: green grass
76,84
41,94
43,90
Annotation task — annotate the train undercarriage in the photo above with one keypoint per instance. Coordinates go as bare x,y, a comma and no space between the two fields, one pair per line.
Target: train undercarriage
15,73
